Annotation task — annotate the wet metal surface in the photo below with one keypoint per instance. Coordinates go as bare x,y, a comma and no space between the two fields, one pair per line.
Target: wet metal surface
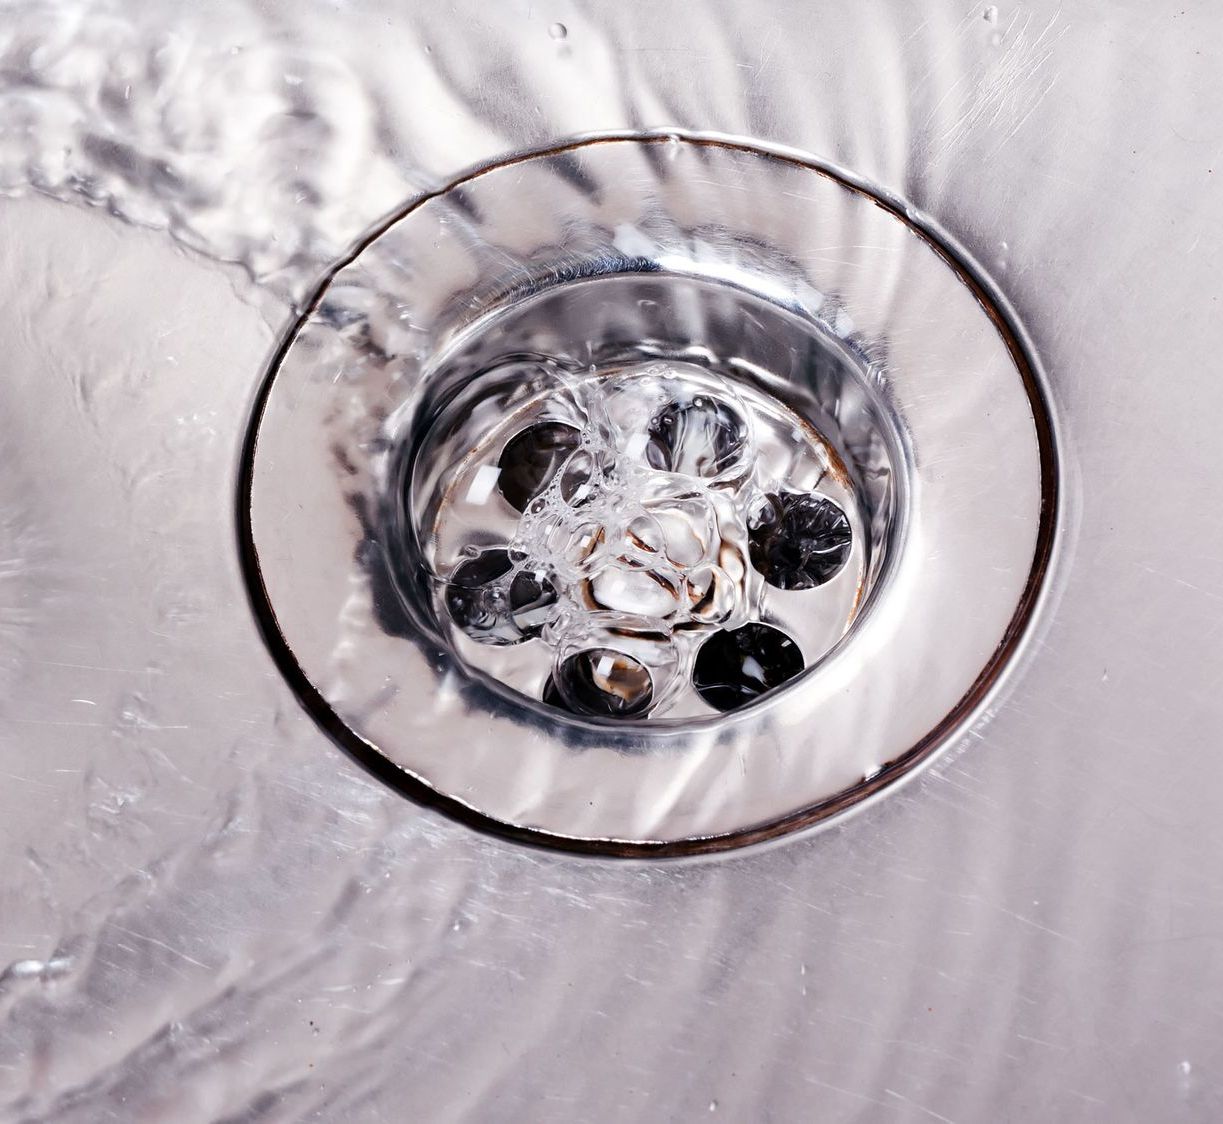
209,912
860,324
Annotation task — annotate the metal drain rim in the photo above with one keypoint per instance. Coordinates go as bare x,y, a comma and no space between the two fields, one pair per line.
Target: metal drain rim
901,767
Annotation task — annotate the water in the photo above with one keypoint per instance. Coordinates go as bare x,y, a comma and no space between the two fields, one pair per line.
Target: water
634,512
208,913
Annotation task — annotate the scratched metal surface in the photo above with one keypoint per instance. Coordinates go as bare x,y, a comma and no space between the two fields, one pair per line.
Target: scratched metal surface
208,912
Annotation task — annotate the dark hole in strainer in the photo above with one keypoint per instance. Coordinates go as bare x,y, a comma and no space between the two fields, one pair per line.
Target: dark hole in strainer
601,683
737,666
700,437
799,541
531,458
494,605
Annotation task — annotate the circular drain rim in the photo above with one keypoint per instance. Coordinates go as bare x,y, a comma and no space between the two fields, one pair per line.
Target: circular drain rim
904,765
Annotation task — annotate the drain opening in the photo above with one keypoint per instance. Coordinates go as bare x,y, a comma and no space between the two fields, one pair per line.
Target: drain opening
652,534
648,523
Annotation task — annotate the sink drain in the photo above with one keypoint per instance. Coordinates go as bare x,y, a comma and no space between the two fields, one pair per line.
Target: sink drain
647,495
622,516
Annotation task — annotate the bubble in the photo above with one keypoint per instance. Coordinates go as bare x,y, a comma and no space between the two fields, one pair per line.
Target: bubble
711,595
648,593
799,541
576,550
531,458
583,477
532,602
688,526
601,683
733,668
558,31
699,436
643,540
493,604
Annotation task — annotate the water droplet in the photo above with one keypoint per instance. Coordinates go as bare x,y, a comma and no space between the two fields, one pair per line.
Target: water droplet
799,541
558,31
991,14
493,605
735,667
531,458
601,683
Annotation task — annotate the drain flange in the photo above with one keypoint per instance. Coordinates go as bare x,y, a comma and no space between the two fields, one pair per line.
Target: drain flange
648,495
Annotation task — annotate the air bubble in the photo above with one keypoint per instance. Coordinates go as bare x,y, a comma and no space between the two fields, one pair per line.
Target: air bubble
689,528
583,476
653,594
711,595
644,540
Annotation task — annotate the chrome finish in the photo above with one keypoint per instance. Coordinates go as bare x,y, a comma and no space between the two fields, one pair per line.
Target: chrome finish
209,912
889,352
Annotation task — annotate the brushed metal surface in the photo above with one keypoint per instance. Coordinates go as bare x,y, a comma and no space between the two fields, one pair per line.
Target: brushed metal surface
208,912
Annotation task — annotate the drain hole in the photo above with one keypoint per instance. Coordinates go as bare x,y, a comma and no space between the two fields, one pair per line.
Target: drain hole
697,436
620,517
601,683
736,667
643,458
531,459
643,500
495,602
799,541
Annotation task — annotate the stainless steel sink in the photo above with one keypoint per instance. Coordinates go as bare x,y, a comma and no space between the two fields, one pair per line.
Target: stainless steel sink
234,891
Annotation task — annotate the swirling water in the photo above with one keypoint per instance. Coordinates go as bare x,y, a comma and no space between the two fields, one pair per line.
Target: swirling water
208,913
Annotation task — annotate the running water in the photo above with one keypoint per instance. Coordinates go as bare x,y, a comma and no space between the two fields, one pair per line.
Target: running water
208,913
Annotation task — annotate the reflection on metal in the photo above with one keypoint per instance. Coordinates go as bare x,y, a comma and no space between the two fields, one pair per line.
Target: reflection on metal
209,912
551,290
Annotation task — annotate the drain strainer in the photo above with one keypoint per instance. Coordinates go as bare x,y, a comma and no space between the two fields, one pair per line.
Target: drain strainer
648,494
642,521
